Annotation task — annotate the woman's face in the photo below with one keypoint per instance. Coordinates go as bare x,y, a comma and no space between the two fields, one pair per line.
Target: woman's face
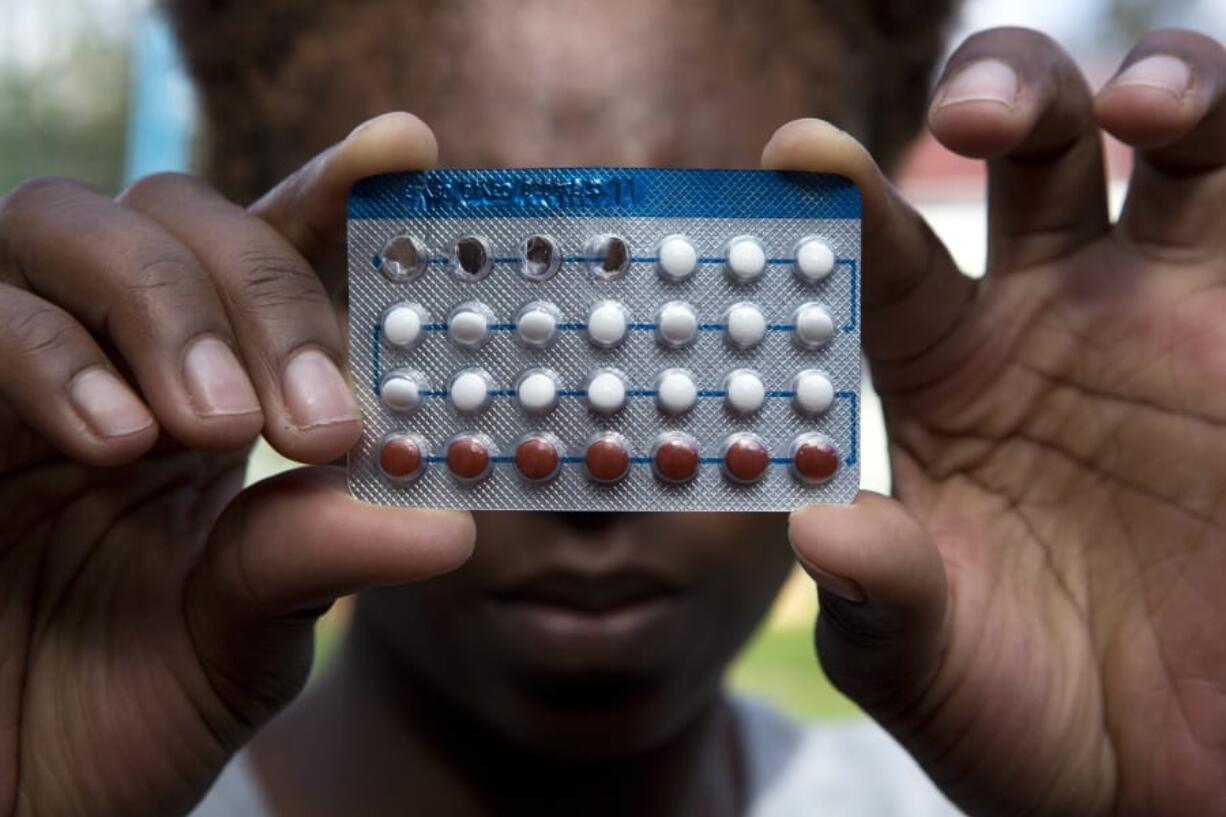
578,632
582,633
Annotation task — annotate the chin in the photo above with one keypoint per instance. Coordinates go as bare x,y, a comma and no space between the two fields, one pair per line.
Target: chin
600,716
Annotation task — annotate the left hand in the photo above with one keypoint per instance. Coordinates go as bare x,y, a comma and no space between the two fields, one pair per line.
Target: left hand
1039,615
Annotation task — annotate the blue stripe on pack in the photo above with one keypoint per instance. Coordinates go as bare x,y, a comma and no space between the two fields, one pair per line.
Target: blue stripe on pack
605,191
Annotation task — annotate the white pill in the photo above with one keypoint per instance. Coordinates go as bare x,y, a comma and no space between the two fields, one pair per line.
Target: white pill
677,324
746,258
814,392
537,326
606,392
677,258
744,391
468,327
470,391
746,325
538,392
402,325
814,326
676,391
814,259
606,325
400,392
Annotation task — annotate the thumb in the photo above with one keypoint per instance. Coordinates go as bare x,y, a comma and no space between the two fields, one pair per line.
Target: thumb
882,626
277,558
913,291
309,207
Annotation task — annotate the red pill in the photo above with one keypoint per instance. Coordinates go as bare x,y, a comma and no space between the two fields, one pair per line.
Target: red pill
676,459
468,458
745,458
537,459
814,459
400,457
607,458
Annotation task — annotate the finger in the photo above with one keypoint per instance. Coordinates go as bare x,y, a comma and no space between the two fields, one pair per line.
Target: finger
913,292
1014,97
309,207
286,327
1168,101
60,383
284,550
124,277
882,624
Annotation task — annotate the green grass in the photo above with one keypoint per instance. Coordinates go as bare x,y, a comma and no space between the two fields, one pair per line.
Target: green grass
779,666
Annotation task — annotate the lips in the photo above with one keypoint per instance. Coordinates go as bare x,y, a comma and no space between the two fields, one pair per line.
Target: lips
571,624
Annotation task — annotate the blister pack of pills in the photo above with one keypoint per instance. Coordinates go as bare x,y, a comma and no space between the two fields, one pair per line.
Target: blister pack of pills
604,339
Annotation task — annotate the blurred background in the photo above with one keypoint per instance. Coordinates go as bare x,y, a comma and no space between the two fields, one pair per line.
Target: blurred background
89,89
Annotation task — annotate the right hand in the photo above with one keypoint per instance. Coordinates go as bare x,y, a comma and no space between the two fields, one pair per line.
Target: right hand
151,614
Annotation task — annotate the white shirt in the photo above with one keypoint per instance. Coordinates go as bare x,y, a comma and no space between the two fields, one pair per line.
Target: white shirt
847,769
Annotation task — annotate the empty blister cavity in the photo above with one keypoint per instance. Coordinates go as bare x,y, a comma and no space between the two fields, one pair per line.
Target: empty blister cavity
402,259
472,259
540,258
608,256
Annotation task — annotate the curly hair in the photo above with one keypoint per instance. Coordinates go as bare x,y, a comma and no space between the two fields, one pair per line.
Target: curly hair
258,65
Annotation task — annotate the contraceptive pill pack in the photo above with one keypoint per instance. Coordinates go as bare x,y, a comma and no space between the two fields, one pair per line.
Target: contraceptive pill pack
605,339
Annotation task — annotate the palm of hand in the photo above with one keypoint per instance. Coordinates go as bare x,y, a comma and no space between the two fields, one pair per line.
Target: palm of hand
102,669
1071,475
151,616
1035,618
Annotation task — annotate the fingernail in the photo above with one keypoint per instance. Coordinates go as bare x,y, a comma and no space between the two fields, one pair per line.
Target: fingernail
983,81
216,381
845,589
1160,71
108,404
315,391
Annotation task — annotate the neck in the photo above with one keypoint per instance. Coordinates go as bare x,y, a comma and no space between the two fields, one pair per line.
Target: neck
370,739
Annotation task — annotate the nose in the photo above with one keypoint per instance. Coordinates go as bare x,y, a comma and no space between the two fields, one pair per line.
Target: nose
593,522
